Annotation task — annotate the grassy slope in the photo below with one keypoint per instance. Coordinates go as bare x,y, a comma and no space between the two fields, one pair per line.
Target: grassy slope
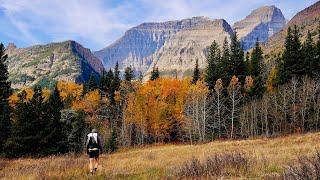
271,156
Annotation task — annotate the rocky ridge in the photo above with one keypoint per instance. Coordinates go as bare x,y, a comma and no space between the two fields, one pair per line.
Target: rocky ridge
46,64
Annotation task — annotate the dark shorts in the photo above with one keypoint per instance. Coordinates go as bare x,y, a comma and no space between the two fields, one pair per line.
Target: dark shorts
93,154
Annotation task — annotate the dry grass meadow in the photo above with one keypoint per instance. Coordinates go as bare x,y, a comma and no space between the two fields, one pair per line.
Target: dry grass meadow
267,159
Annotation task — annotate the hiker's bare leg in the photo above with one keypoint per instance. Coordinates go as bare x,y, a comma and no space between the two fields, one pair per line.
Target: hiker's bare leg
91,164
96,163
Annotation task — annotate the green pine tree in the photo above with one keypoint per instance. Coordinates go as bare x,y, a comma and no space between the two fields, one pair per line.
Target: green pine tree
117,79
128,74
5,92
53,133
225,60
196,73
292,60
236,65
309,55
213,58
154,74
256,70
92,83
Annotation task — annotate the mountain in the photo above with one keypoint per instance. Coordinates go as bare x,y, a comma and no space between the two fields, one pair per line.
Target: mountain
261,23
307,19
172,45
45,64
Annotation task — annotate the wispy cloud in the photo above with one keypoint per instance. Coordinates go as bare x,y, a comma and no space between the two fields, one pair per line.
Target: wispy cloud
97,23
61,19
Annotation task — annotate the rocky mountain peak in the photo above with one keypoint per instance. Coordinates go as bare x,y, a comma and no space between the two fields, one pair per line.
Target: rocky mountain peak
261,23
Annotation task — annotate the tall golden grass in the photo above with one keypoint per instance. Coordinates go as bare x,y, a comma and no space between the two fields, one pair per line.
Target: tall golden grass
271,157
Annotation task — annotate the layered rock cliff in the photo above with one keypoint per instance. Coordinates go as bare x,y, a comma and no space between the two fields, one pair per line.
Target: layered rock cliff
261,23
172,45
45,64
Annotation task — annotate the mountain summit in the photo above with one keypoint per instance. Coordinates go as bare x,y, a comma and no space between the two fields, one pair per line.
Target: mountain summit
261,23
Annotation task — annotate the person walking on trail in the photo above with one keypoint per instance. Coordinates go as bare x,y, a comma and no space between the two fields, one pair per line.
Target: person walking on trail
94,149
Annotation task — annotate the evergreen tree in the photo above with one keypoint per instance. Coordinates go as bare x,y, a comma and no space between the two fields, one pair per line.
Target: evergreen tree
236,64
292,61
247,63
154,74
196,73
76,132
128,74
256,70
22,130
211,74
27,133
309,54
109,85
116,79
102,82
92,83
225,60
53,133
5,92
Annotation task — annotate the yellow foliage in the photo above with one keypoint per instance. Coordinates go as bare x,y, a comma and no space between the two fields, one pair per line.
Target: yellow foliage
155,107
46,93
248,83
70,89
29,92
13,99
89,103
271,78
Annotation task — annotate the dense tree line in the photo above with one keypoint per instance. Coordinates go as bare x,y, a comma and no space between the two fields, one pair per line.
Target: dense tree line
234,97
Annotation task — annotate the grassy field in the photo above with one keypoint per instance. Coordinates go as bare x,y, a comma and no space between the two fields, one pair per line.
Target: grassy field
266,158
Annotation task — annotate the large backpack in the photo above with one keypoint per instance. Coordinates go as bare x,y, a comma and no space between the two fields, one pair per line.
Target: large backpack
92,142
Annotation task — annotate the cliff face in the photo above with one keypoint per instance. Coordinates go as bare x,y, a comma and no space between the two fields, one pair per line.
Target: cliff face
178,55
45,64
262,23
172,45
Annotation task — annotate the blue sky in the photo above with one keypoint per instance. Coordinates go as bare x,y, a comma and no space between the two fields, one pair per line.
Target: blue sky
98,23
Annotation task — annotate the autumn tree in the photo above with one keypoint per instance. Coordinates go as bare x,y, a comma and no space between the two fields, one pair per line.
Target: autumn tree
234,92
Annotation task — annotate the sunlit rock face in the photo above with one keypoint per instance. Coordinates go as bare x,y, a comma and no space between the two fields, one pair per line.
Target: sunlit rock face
171,46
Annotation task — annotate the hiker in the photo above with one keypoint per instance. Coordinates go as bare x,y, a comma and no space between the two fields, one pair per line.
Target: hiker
94,149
